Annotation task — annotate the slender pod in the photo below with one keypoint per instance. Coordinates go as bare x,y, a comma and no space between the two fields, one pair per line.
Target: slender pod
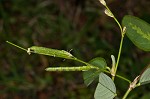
50,52
80,68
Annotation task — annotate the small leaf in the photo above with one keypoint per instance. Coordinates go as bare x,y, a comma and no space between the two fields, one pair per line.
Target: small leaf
138,32
50,52
145,77
106,88
90,75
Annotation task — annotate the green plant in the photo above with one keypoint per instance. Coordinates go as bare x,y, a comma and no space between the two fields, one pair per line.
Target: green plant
137,31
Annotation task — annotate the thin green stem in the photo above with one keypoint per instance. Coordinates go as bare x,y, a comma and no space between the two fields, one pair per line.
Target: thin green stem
118,23
89,65
115,19
121,77
121,43
102,70
127,93
124,78
76,59
16,46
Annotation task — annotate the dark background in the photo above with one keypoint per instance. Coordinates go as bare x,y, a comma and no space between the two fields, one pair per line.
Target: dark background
80,25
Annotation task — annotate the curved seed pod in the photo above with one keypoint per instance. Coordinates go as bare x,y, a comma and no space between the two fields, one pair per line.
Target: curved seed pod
80,68
50,52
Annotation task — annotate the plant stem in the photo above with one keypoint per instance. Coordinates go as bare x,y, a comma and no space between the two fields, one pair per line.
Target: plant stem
124,78
114,18
91,66
16,46
122,37
102,70
127,93
121,43
119,76
76,59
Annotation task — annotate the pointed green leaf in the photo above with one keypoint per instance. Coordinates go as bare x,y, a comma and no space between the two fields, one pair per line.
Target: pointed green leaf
138,32
50,52
106,88
145,77
91,75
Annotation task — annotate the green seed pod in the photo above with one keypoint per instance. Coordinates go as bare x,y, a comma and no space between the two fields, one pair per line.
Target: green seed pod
80,68
50,52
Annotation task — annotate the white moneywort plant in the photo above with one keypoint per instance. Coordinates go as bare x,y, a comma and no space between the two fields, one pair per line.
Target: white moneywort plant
137,30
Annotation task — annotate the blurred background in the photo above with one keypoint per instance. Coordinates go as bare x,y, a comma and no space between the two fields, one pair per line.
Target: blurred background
80,25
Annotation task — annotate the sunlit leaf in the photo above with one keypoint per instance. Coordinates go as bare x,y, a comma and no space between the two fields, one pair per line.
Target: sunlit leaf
138,31
145,77
106,88
91,75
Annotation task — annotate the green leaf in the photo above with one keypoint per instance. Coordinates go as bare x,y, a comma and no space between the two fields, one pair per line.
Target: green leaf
106,88
138,32
98,62
50,52
90,75
145,77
